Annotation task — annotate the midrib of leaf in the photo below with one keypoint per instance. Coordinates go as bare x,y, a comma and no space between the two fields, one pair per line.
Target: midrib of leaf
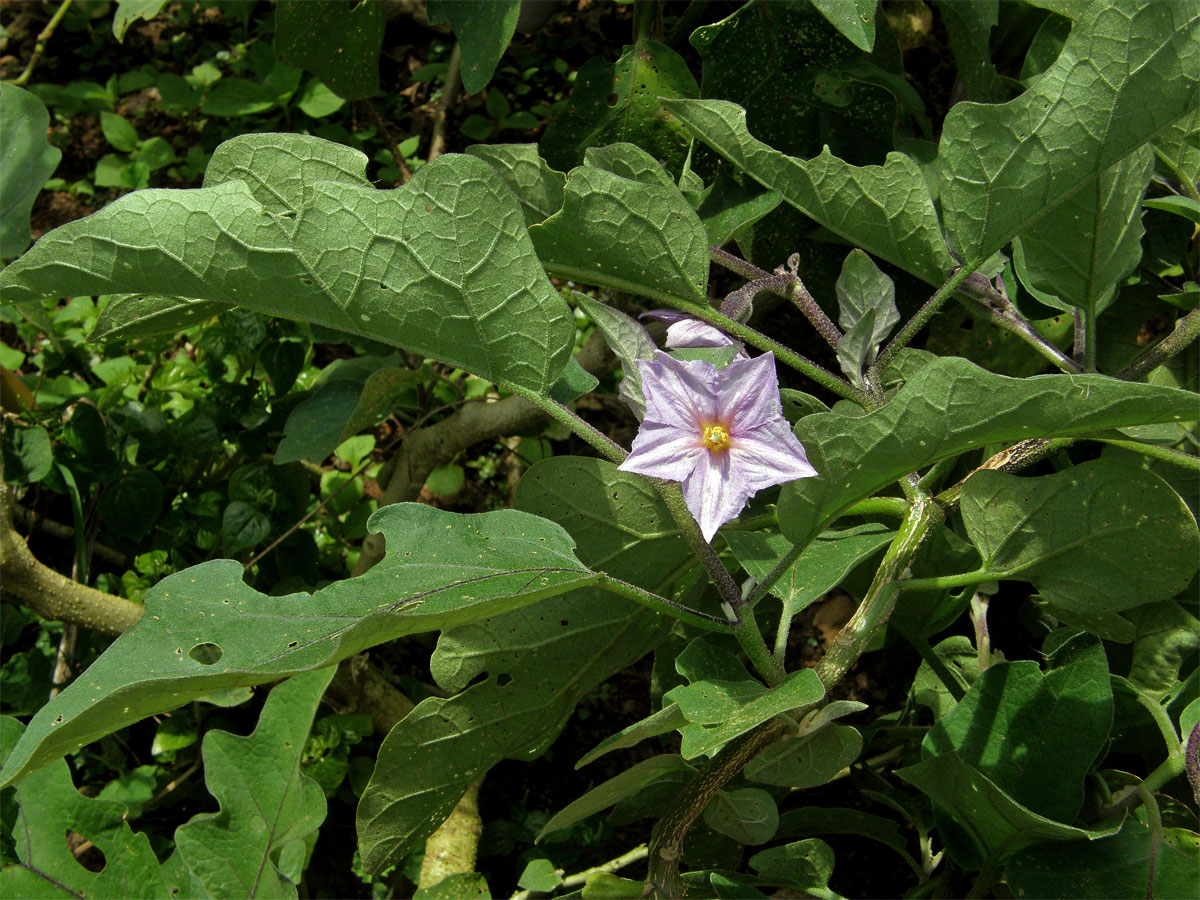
1058,551
272,824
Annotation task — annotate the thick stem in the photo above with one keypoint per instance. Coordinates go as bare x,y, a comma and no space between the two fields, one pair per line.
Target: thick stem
755,648
1157,451
1186,330
1001,311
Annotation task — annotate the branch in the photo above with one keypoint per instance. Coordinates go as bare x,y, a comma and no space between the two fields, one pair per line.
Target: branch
51,594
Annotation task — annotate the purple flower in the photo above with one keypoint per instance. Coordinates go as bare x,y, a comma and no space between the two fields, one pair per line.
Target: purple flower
720,432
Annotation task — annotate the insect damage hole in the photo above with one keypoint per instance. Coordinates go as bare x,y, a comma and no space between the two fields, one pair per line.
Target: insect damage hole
206,654
85,852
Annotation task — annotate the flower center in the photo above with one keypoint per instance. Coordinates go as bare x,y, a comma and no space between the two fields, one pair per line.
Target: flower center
716,438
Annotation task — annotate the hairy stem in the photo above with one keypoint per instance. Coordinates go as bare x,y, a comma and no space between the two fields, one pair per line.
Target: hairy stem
1001,311
916,323
1186,330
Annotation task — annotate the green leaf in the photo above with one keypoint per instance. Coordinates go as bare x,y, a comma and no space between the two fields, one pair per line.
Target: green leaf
243,527
50,806
862,288
1180,146
856,347
460,886
446,479
319,101
267,805
1034,736
260,238
948,407
855,19
1077,255
820,568
729,207
961,660
624,102
441,569
804,866
625,234
629,161
1126,73
1098,537
629,782
129,11
137,315
969,27
1184,207
1167,637
232,97
316,425
539,661
748,815
483,29
539,188
540,876
990,819
886,210
808,760
628,341
27,454
1134,863
337,43
26,160
666,720
812,820
119,132
132,504
790,67
698,702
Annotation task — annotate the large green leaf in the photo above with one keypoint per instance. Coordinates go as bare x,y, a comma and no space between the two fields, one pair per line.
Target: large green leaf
50,806
539,662
1097,538
1034,735
442,265
886,210
951,406
1079,253
441,570
1137,862
483,29
625,234
268,806
337,41
137,315
26,161
539,188
789,67
1168,636
988,818
623,102
969,27
1127,71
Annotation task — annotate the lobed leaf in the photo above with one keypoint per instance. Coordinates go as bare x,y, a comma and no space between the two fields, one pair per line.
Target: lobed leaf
441,570
26,161
268,806
538,188
886,210
1125,74
948,407
629,235
442,265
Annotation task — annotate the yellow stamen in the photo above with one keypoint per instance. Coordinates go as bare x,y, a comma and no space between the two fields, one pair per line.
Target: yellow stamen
716,438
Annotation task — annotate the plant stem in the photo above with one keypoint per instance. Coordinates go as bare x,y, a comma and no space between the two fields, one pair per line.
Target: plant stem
1001,311
1157,451
607,448
878,506
1186,330
40,47
1186,185
755,648
916,323
663,605
942,582
935,662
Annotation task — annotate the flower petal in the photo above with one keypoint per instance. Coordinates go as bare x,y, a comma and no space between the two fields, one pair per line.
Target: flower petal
694,333
663,451
715,492
768,455
749,393
680,394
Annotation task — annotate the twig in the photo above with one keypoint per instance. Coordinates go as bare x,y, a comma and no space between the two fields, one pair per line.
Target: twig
1001,311
40,47
437,143
1186,330
405,171
30,519
637,854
